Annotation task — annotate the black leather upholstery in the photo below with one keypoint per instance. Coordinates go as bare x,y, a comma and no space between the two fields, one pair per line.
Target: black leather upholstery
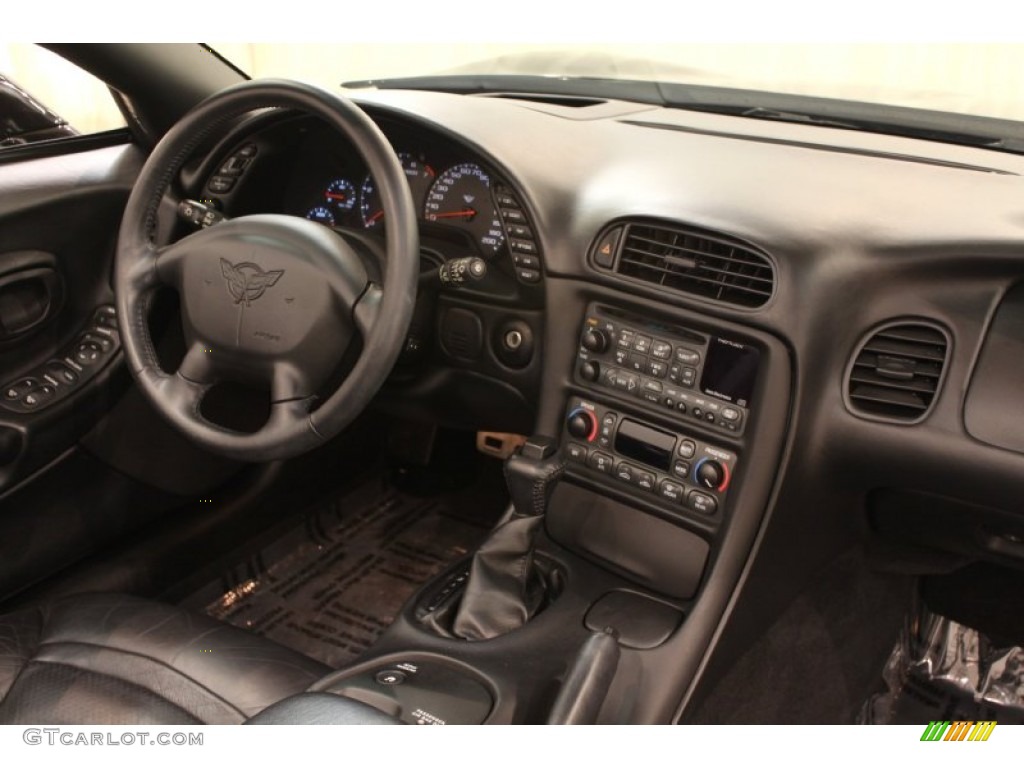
114,659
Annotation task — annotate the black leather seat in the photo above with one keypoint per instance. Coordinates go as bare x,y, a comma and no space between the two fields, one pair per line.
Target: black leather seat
114,659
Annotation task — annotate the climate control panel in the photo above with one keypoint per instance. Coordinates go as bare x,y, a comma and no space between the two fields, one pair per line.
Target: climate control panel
678,471
698,376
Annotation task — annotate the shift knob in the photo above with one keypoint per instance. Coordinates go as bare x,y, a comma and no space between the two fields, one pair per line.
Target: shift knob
532,475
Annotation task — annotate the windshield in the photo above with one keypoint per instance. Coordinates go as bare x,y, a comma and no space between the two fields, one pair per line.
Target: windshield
966,78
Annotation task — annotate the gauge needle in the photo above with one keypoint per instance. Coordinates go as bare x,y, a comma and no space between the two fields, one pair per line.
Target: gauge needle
467,213
375,216
336,196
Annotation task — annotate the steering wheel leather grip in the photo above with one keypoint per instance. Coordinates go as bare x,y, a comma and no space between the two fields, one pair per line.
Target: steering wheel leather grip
268,299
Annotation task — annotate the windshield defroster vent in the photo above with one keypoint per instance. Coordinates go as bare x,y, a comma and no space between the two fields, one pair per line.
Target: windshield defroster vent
896,374
687,260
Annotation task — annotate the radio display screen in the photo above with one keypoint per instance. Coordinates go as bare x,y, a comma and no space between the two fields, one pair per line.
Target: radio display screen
645,444
730,371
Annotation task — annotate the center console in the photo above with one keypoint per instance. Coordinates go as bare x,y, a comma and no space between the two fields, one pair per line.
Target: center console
653,436
697,385
660,468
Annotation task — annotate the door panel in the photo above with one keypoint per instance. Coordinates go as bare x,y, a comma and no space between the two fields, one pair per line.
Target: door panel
59,217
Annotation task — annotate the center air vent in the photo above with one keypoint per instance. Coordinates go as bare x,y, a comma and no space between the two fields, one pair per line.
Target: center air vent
691,261
897,372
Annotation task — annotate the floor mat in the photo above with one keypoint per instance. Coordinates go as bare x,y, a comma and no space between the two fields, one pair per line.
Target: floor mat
331,586
820,659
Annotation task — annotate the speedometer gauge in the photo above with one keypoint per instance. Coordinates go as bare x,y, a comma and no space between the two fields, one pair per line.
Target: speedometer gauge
340,194
462,196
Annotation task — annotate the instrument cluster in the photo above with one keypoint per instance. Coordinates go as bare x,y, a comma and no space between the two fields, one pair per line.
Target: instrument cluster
454,194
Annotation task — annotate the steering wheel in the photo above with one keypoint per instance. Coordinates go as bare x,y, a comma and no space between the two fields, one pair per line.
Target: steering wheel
268,299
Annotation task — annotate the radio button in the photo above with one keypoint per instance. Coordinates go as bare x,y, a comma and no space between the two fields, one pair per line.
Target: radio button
671,491
687,356
621,356
661,349
577,452
625,473
687,449
602,462
637,363
688,377
657,368
625,339
650,385
730,414
589,371
642,344
627,381
701,502
697,413
594,340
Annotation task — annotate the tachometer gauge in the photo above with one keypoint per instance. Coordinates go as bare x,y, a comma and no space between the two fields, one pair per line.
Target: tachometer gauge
418,173
322,215
462,196
340,195
369,204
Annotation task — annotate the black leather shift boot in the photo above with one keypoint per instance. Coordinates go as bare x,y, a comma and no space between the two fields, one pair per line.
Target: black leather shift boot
505,588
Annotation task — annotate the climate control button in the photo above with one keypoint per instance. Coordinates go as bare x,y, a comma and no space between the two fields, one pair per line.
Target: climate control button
582,424
711,474
602,462
701,502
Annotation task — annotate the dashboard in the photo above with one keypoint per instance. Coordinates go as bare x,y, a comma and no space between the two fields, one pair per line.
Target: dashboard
756,343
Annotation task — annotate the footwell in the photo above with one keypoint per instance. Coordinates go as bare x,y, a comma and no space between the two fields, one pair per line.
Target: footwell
331,586
941,670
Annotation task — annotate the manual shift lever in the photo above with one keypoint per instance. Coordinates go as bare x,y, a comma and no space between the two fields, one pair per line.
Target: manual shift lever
505,588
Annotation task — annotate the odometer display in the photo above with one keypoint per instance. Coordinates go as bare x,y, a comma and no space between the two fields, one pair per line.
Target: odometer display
461,196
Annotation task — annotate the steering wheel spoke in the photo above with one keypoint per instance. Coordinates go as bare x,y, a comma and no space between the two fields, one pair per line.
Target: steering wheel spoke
268,296
182,396
367,309
169,263
198,365
288,384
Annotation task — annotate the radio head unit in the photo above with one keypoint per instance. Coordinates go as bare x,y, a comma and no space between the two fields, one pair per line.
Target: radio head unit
705,377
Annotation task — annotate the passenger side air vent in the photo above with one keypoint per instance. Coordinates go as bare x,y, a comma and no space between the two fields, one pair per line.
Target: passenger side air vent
687,260
897,372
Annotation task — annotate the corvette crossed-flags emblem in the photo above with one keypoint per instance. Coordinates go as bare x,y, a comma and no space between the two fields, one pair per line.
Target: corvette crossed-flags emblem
246,281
